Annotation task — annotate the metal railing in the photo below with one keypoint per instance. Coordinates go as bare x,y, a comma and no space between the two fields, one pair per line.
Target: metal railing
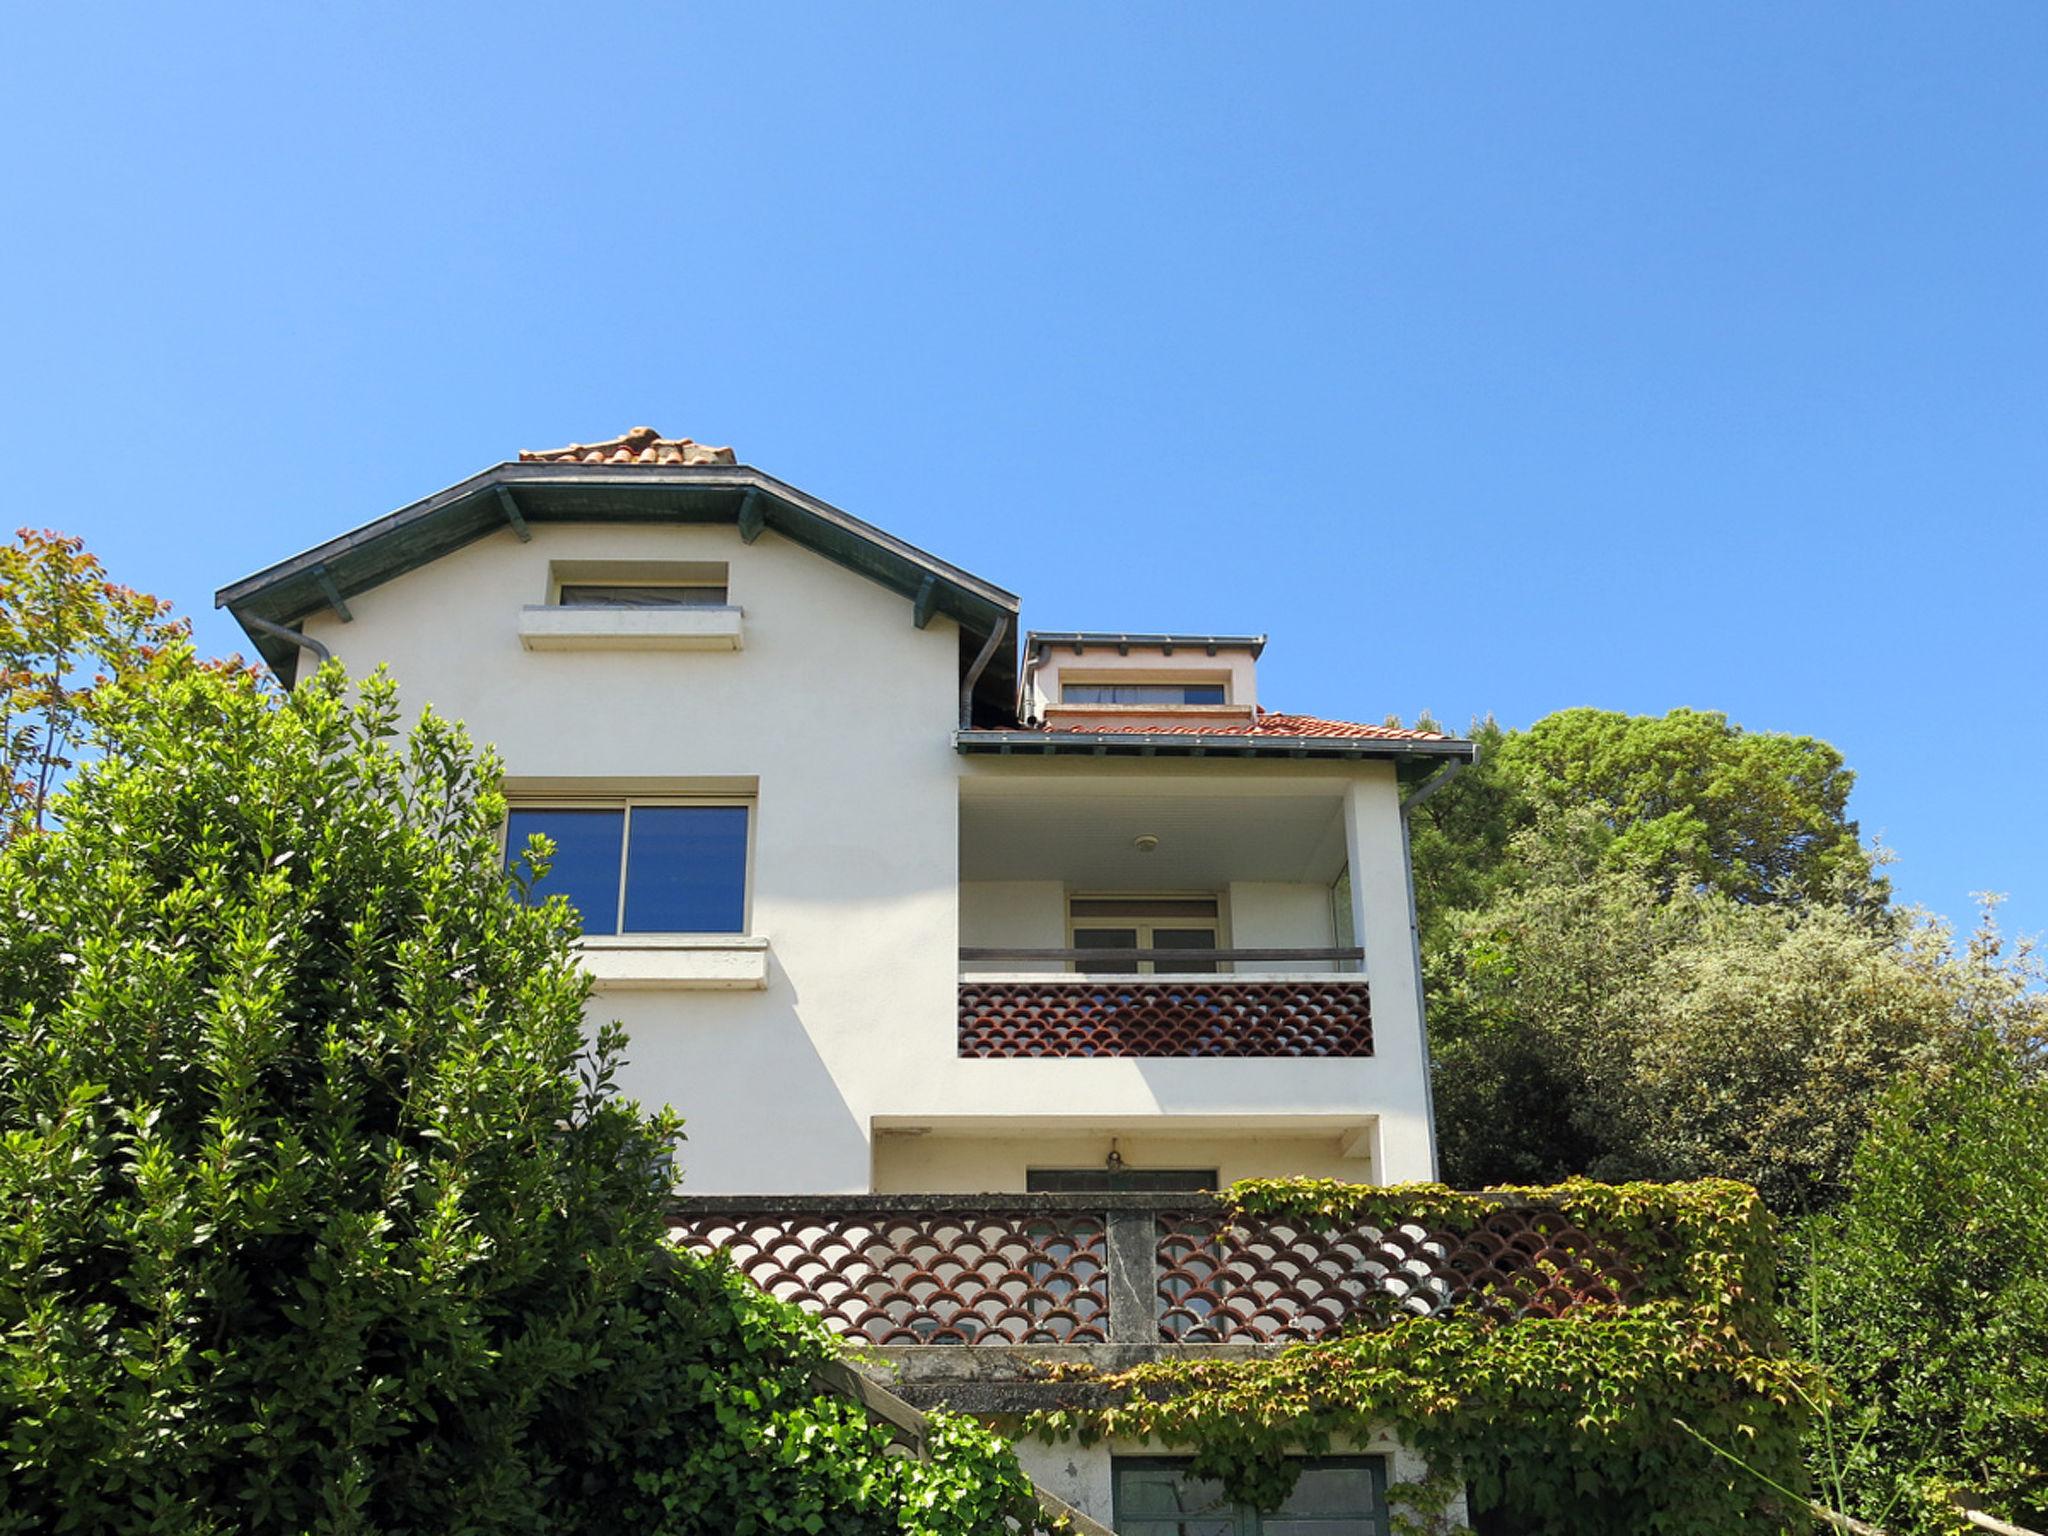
1321,959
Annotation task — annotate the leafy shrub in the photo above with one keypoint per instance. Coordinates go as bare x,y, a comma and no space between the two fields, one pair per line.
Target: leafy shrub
317,1210
1584,1023
1929,1288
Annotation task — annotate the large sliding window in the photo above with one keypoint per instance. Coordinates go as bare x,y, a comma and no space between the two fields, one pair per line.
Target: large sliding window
1334,1496
642,867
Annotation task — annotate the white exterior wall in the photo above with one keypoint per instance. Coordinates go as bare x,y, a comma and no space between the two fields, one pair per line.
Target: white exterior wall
1271,914
996,1160
1383,913
840,712
1011,914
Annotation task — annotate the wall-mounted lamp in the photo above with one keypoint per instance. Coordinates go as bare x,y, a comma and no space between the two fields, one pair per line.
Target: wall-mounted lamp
1114,1163
1145,842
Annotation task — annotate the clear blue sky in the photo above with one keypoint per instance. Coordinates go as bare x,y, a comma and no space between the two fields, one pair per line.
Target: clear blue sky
1491,359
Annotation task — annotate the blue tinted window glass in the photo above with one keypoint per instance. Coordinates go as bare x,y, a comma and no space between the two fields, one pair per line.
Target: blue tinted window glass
586,864
1142,693
686,871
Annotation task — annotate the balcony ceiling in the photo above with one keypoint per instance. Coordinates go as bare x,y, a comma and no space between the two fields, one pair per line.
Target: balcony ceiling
1204,842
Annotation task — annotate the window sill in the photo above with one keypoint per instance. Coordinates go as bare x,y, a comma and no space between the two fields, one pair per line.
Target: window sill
694,963
553,628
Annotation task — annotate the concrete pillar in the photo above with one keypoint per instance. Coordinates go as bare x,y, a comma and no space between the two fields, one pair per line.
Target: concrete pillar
1383,914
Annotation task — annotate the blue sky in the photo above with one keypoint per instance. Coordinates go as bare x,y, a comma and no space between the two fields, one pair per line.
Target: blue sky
1490,359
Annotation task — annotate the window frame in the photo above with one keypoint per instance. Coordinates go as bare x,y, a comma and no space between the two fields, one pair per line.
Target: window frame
722,588
1248,1520
1220,683
618,934
631,572
1144,927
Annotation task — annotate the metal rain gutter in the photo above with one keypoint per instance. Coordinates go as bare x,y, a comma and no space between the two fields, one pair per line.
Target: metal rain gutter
303,641
1185,744
988,650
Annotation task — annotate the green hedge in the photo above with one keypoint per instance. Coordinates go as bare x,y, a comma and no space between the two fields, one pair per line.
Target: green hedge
317,1211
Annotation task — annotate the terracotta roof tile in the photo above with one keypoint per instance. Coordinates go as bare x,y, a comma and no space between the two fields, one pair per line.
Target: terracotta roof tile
1265,723
642,445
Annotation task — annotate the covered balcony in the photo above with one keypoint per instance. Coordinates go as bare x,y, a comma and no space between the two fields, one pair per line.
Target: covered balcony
1162,915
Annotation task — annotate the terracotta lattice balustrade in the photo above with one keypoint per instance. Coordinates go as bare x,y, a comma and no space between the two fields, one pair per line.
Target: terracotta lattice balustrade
1136,1269
1123,1016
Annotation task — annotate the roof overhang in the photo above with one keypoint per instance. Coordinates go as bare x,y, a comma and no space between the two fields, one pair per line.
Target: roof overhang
1425,755
516,495
1080,640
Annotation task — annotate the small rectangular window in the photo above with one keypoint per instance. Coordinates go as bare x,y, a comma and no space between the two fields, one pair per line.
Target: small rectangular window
1088,1181
1142,693
641,868
606,595
1333,1496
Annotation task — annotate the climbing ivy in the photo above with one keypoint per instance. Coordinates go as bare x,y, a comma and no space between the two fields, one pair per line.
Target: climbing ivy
1575,1423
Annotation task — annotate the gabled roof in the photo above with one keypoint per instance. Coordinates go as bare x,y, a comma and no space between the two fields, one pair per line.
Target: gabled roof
684,482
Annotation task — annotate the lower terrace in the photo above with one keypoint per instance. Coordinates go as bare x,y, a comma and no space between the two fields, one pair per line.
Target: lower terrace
938,1281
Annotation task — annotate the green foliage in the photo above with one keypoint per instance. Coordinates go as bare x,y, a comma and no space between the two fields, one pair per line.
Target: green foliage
1929,1290
66,632
1572,1422
1584,1023
1688,800
710,1421
318,1212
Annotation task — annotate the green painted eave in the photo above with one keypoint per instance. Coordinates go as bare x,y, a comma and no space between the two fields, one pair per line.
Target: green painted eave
326,577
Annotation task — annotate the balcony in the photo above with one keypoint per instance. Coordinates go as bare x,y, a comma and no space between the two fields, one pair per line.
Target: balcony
1299,1005
1128,1275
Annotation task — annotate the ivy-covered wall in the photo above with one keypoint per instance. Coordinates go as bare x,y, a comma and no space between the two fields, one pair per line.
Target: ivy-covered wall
1601,1421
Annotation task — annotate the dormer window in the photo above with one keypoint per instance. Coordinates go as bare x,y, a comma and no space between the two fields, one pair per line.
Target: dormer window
638,584
634,605
1155,694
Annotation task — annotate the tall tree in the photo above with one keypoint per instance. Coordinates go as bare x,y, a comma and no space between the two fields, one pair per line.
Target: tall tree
1689,800
1586,1022
66,633
1697,802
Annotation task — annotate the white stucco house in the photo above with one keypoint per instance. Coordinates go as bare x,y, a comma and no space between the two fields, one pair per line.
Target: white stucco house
971,955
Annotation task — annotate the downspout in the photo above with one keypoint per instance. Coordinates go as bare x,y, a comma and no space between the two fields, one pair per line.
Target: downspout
1032,663
1423,791
304,641
988,651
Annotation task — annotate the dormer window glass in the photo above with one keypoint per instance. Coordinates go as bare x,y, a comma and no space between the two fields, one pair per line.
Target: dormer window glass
1142,693
641,867
594,594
